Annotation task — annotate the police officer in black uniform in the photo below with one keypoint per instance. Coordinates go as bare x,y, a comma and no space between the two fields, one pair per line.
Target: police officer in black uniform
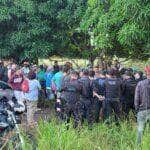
129,85
86,97
98,87
113,91
72,91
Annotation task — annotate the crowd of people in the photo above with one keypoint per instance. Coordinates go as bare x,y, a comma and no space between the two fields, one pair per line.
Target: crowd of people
89,94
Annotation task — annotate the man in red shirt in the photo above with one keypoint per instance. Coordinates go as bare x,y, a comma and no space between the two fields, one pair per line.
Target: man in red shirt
16,81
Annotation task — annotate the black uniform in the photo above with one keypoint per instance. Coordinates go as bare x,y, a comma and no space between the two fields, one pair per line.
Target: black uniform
72,91
86,99
128,93
113,90
98,87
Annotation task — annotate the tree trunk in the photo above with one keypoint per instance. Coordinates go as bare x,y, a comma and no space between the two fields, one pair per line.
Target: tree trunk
91,60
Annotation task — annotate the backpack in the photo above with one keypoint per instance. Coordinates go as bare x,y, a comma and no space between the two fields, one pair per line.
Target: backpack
25,86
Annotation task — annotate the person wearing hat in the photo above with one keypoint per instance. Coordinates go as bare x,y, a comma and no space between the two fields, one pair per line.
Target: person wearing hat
142,103
129,85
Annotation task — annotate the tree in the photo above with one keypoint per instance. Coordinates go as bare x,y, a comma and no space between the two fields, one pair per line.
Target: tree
39,28
120,27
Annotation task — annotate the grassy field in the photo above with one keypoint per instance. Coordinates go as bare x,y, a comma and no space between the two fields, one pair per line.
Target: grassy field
55,136
83,62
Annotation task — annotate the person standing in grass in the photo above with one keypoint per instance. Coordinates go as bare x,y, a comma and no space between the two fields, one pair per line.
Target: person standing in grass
72,91
86,98
129,85
142,103
98,88
31,97
113,90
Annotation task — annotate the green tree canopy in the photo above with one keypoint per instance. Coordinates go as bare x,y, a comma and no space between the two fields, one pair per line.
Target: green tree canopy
39,28
42,28
120,27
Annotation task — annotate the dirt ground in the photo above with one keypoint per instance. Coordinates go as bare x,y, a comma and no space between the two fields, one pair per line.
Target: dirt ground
44,112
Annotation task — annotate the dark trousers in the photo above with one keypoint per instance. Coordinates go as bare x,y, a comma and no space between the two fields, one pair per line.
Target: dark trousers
72,110
96,109
86,110
128,106
112,106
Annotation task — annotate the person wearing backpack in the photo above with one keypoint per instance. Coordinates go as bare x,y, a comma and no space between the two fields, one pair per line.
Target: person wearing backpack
142,104
113,89
129,85
86,98
98,88
31,97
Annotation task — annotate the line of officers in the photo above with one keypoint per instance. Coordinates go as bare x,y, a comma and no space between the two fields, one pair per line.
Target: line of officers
85,96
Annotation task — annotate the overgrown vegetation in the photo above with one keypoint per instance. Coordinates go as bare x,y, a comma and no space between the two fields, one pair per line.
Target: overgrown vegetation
52,135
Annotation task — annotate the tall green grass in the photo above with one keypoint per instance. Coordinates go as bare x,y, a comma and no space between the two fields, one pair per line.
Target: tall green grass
55,136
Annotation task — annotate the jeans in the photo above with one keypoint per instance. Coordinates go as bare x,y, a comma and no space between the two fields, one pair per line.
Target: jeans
142,118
